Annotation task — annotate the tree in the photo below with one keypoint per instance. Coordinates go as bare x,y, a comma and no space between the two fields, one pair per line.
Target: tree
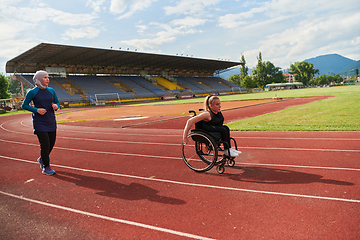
357,72
248,82
235,79
274,74
266,73
4,85
259,73
304,71
330,79
338,78
321,80
243,69
15,87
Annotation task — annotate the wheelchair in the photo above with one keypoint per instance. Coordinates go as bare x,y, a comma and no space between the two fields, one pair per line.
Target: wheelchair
202,152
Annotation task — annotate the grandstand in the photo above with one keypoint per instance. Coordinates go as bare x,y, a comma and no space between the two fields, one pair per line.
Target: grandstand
80,75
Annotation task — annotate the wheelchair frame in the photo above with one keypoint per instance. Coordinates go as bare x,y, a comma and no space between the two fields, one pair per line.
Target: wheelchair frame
201,154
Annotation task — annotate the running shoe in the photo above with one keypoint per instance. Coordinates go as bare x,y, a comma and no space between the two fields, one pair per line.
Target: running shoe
235,151
48,171
232,153
41,163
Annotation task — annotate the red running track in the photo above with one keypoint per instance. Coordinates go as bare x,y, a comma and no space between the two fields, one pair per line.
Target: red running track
131,183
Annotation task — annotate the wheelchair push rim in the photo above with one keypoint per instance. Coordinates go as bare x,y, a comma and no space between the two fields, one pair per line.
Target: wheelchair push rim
200,154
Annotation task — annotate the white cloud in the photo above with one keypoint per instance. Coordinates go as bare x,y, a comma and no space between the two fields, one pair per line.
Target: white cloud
189,22
141,28
10,48
95,4
149,42
85,32
69,19
236,20
189,7
12,28
167,35
169,32
119,7
36,15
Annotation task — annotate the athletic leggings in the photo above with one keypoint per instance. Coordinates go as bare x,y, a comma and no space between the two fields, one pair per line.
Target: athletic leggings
223,130
47,141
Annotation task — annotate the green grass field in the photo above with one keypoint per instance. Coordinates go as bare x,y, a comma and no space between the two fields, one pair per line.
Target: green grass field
338,113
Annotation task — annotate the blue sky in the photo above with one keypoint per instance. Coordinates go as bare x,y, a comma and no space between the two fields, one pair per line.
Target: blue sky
283,31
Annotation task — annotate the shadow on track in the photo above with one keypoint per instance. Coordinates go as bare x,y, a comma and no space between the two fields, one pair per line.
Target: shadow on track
108,188
280,176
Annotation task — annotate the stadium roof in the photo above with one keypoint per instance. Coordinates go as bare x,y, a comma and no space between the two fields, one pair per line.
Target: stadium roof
86,60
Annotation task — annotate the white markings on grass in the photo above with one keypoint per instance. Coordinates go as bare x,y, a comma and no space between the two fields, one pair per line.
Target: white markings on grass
195,184
164,230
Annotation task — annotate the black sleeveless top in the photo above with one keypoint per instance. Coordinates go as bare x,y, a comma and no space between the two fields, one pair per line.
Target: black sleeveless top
216,120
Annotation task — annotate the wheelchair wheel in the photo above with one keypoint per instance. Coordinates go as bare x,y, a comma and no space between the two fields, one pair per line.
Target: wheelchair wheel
200,154
220,168
231,162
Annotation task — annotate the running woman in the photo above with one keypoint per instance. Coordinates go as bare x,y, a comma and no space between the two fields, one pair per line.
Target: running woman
45,104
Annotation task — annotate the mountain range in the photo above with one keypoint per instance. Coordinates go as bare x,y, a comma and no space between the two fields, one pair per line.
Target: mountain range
329,64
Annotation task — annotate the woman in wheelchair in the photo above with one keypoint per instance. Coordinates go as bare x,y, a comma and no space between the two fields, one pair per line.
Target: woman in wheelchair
212,121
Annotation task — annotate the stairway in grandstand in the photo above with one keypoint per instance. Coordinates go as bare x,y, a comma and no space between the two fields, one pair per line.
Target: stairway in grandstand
167,84
74,91
120,85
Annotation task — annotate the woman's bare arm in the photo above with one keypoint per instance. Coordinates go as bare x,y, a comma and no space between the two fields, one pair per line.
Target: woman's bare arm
191,121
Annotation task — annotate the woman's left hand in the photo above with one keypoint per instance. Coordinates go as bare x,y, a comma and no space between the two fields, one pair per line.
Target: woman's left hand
55,106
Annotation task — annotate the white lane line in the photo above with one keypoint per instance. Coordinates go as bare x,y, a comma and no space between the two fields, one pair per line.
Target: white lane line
241,163
196,184
123,142
103,140
129,118
97,152
99,132
302,149
160,229
299,166
257,148
301,138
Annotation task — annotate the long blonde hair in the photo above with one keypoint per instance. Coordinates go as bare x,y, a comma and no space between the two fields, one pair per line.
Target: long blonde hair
209,100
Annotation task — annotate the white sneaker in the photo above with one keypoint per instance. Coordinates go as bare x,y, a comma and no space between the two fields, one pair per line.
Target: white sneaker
235,151
232,153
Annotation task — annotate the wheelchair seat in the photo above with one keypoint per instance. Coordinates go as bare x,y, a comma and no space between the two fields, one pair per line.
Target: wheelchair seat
215,135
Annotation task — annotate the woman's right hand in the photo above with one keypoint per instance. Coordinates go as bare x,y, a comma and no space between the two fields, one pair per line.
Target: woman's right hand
41,111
